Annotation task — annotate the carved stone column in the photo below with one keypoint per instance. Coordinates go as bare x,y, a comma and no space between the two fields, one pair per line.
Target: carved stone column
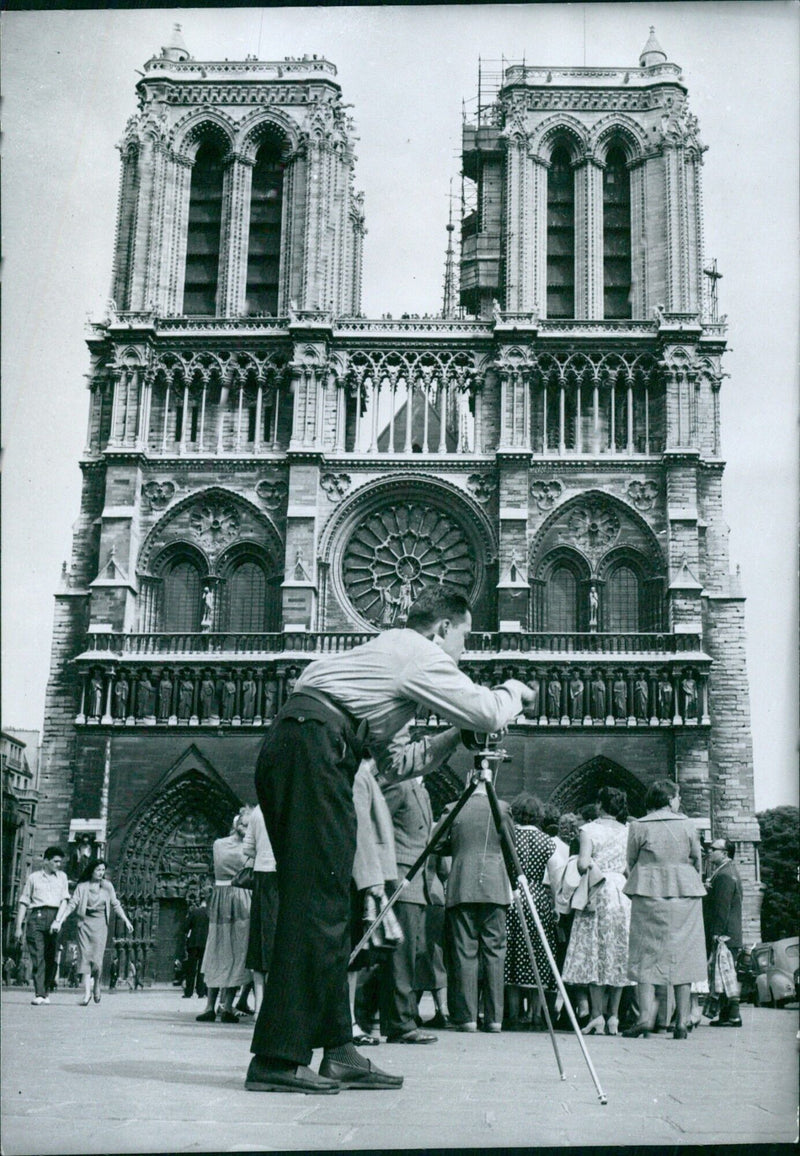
589,239
236,194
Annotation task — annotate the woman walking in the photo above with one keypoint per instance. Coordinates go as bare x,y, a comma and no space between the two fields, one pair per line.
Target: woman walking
667,942
225,958
597,954
94,899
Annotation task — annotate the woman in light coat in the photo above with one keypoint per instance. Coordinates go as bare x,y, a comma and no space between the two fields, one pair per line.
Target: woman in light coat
94,898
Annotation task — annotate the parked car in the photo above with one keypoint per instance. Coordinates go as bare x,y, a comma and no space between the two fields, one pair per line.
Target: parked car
774,965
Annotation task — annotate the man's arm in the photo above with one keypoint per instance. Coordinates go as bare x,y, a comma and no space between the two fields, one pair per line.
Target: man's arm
22,908
438,684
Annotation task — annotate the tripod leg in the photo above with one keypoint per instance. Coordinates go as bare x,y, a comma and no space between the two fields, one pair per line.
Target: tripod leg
438,834
524,888
515,872
526,935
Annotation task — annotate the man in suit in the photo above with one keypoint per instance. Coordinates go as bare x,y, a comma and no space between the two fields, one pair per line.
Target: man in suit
410,808
196,936
478,894
722,915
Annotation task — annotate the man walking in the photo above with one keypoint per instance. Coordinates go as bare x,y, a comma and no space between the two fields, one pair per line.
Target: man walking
478,894
44,899
410,808
722,915
342,705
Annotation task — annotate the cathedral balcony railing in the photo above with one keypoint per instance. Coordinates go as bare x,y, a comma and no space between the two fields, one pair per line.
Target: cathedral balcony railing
228,644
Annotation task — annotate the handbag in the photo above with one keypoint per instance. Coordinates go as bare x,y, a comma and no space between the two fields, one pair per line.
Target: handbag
244,877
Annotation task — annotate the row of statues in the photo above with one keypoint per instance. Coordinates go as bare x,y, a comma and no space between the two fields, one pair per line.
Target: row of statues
209,697
185,697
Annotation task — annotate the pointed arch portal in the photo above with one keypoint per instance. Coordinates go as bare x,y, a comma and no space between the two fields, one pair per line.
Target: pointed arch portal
582,784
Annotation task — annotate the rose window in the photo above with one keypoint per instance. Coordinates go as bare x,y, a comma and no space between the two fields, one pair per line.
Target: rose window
593,527
215,524
395,552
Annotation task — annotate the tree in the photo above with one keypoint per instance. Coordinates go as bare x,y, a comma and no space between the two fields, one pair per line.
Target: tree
780,865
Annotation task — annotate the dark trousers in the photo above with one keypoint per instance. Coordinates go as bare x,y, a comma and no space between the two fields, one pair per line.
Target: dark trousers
477,942
398,999
42,947
304,784
192,975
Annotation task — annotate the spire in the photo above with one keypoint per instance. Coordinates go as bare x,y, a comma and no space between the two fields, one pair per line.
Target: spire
176,49
449,299
652,53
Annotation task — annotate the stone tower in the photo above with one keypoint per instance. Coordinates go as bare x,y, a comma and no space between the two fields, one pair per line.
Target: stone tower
269,475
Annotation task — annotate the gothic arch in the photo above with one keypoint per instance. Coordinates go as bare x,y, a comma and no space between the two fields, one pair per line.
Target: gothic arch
191,789
555,130
260,125
204,125
243,519
595,545
581,785
617,128
461,526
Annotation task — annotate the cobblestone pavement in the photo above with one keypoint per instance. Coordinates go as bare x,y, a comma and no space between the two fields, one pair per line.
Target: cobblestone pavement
136,1073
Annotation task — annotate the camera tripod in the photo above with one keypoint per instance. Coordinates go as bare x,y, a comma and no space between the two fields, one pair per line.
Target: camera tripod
487,755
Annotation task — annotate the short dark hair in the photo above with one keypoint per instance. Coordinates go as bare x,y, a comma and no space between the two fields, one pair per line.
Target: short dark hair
660,793
435,603
528,810
53,852
88,871
589,812
614,802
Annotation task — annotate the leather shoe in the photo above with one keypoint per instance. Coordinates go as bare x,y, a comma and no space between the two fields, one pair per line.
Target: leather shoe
415,1036
680,1034
725,1024
228,1017
261,1078
438,1021
636,1031
206,1017
469,1026
369,1078
364,1041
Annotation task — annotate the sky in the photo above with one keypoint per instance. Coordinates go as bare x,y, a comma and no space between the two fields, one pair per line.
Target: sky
68,90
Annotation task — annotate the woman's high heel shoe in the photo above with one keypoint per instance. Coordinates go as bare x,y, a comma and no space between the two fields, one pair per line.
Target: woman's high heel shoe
612,1026
636,1031
85,1002
596,1025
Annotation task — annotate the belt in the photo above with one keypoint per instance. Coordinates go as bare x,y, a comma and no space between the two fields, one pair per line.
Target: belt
222,882
44,907
358,728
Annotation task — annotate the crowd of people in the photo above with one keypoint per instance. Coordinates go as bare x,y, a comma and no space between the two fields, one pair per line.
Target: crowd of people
342,817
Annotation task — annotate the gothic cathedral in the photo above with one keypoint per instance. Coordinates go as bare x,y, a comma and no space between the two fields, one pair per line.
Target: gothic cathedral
270,475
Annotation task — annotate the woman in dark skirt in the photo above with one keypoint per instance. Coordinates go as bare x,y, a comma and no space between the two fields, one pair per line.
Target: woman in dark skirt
264,905
667,941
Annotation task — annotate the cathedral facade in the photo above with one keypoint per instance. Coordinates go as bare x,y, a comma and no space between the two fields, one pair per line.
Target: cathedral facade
270,475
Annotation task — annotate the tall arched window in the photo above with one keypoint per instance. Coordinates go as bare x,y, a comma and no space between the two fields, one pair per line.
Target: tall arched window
264,246
560,236
616,236
622,601
182,598
203,240
562,600
247,599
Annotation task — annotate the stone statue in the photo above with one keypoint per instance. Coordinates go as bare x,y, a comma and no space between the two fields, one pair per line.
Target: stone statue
533,708
641,698
593,604
96,696
664,698
207,697
620,694
228,699
689,687
404,602
248,697
208,608
185,696
300,571
165,695
121,691
145,696
576,698
554,698
386,617
270,697
291,679
597,694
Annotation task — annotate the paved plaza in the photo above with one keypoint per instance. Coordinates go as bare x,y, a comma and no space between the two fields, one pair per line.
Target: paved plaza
136,1073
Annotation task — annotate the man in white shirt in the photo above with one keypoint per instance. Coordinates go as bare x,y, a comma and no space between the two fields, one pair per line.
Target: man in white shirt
343,705
44,899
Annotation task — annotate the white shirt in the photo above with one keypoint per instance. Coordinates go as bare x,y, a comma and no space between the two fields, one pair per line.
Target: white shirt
256,843
384,681
45,889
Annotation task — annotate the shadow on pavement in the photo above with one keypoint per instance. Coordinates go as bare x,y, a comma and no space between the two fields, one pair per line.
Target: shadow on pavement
163,1072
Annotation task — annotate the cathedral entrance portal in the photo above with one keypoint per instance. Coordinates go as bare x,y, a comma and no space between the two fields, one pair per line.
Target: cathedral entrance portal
166,859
